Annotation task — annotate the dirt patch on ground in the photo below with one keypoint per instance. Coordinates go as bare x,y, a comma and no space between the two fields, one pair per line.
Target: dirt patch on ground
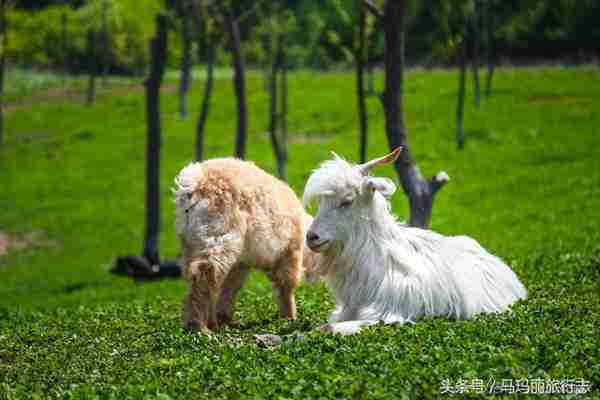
10,242
49,95
59,94
303,138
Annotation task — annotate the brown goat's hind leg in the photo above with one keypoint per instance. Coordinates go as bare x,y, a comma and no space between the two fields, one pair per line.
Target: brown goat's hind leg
232,285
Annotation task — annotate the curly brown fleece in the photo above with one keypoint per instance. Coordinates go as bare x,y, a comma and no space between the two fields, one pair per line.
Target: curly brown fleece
232,215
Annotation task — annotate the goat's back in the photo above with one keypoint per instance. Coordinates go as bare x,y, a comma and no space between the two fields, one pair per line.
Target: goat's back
233,197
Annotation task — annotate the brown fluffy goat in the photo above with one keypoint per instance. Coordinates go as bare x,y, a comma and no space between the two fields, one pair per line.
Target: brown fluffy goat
232,215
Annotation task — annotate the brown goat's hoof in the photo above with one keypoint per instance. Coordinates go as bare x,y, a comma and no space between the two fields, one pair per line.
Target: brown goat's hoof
205,331
197,327
227,320
232,323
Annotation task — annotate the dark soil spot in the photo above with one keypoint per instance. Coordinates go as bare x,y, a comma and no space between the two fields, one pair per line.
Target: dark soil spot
84,135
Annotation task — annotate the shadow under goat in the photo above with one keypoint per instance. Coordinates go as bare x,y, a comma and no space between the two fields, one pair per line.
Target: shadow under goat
381,270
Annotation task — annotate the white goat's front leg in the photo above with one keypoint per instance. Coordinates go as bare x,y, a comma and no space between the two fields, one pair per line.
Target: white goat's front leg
347,327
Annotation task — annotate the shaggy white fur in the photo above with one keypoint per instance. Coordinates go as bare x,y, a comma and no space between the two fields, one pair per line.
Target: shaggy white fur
380,270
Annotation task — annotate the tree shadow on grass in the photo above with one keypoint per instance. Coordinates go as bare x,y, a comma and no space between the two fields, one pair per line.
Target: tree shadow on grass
481,135
545,159
140,269
76,287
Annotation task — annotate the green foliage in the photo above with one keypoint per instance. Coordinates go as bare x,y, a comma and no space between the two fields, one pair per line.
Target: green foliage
274,24
37,38
305,47
527,186
322,34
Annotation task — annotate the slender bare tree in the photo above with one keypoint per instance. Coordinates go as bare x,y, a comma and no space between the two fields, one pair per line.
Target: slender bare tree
148,265
460,109
203,116
474,30
274,118
239,84
491,47
360,81
420,192
4,47
275,36
105,43
278,107
184,9
207,39
64,44
92,48
158,55
284,106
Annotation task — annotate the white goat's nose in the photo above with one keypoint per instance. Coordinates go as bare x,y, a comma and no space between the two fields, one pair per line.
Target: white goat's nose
312,237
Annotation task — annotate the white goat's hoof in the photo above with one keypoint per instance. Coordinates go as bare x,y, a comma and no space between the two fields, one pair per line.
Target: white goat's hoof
328,328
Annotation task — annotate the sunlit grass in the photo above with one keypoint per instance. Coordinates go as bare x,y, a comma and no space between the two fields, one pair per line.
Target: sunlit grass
527,186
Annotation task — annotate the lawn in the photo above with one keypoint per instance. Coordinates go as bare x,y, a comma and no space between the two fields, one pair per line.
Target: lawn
527,186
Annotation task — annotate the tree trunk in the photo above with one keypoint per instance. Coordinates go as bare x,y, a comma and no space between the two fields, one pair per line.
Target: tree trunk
489,78
284,109
239,85
370,79
273,128
474,30
491,51
460,133
92,65
4,38
360,83
64,45
158,54
419,191
105,46
268,60
278,112
186,64
208,86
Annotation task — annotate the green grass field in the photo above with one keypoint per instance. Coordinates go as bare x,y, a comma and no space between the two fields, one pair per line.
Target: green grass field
527,186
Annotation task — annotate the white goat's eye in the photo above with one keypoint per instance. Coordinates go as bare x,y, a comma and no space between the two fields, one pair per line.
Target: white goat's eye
345,203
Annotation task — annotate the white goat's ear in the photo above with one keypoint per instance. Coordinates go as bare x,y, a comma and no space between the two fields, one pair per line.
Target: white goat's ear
385,186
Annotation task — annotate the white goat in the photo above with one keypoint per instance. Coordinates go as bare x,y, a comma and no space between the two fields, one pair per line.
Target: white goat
380,270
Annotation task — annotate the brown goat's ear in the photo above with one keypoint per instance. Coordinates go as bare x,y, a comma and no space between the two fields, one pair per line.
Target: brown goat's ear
387,159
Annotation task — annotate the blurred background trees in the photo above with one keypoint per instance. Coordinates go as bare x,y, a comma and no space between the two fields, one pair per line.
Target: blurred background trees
103,37
520,31
3,46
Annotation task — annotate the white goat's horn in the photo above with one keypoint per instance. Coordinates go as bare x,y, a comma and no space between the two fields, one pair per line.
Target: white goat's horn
390,158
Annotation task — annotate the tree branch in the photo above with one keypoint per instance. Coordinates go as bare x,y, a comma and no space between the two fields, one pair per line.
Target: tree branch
373,9
438,181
